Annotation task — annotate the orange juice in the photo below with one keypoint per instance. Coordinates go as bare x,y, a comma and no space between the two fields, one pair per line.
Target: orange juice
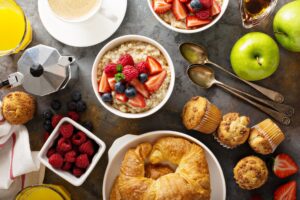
16,31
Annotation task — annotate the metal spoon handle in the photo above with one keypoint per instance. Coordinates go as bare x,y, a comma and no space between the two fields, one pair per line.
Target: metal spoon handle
273,95
280,117
286,109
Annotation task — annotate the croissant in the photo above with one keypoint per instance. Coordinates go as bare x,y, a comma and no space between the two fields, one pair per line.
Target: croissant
190,181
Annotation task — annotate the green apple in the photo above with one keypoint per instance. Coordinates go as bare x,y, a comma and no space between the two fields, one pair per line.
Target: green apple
286,26
255,56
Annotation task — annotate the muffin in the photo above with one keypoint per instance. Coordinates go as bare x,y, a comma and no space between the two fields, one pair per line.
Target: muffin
201,115
265,137
250,173
233,130
18,107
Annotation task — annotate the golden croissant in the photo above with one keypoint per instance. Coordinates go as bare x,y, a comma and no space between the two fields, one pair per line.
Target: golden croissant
190,181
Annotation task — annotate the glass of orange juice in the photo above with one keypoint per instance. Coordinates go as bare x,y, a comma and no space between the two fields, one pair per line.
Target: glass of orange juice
16,32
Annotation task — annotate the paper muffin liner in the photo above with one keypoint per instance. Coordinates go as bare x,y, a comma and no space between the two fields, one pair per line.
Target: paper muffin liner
221,143
271,132
210,120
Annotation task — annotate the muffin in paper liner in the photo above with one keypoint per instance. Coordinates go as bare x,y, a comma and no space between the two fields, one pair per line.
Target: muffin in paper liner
265,137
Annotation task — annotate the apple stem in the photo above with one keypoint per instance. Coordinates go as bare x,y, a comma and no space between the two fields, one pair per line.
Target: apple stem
280,33
258,60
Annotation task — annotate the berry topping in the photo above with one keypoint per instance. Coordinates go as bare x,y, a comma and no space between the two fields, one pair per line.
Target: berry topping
142,67
104,85
64,145
70,156
161,6
126,60
55,120
50,152
87,148
107,97
193,21
112,83
140,88
77,172
79,138
80,106
48,125
215,9
130,92
169,1
130,72
67,166
66,130
121,97
82,161
284,166
137,101
203,14
120,87
74,115
76,96
143,77
154,82
71,105
179,10
47,114
56,160
55,105
88,125
195,5
286,191
206,3
154,66
110,70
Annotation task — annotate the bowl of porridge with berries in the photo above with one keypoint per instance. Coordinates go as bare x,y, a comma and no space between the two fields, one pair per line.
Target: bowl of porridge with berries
188,16
133,76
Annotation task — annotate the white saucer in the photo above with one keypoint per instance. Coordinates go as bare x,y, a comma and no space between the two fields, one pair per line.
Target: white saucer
83,34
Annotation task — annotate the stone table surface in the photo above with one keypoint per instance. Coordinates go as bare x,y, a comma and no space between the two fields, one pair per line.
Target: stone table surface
219,40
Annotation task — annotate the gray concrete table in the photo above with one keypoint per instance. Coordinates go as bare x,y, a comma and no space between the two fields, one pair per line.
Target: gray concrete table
219,40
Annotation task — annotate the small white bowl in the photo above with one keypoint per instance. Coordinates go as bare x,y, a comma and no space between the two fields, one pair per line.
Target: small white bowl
64,174
116,42
186,31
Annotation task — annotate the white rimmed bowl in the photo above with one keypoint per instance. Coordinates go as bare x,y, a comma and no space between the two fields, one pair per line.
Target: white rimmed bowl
67,175
116,42
118,149
186,31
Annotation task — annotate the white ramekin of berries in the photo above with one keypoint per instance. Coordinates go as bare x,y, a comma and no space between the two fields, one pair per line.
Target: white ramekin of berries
133,76
188,16
71,151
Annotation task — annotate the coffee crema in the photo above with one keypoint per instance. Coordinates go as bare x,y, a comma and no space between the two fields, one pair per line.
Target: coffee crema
72,9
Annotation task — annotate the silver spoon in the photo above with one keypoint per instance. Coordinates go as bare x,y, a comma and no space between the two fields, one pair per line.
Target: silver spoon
197,54
204,77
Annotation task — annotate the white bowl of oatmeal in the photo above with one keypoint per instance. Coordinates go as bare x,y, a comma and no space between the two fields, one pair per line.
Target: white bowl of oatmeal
150,95
170,21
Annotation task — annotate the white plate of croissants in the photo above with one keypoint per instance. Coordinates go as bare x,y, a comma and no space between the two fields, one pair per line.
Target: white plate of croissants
162,165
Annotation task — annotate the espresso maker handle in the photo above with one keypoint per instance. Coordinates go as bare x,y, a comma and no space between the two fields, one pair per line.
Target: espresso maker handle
13,80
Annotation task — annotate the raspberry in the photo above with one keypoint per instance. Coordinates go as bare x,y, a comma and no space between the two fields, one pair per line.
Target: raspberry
130,73
66,130
56,160
87,148
126,60
67,166
79,138
64,145
203,14
206,3
74,115
55,120
142,67
82,161
110,70
77,172
50,152
46,136
70,156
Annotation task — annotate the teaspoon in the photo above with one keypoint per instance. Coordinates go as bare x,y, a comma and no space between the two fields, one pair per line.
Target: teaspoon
197,54
204,77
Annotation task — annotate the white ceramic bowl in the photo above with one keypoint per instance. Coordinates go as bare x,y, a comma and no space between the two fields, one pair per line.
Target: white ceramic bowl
116,42
223,9
67,175
118,149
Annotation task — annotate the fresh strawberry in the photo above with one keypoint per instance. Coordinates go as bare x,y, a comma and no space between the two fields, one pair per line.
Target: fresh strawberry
154,82
140,88
126,59
104,85
193,21
169,1
112,82
142,67
179,10
286,191
284,166
215,9
137,101
206,3
110,70
161,6
121,97
203,14
130,73
154,66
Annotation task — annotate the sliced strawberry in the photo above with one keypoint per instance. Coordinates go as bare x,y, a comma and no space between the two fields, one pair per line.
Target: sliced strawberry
104,85
154,82
161,6
140,88
215,9
121,97
284,166
169,1
185,1
179,10
137,101
286,191
154,65
112,83
193,21
190,8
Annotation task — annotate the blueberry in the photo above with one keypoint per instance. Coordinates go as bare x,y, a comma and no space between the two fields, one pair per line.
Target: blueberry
47,126
80,106
76,96
55,105
120,87
47,114
88,125
107,97
130,92
72,106
196,5
143,77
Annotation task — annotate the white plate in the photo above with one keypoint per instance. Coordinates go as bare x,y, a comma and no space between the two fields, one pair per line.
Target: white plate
118,149
87,33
